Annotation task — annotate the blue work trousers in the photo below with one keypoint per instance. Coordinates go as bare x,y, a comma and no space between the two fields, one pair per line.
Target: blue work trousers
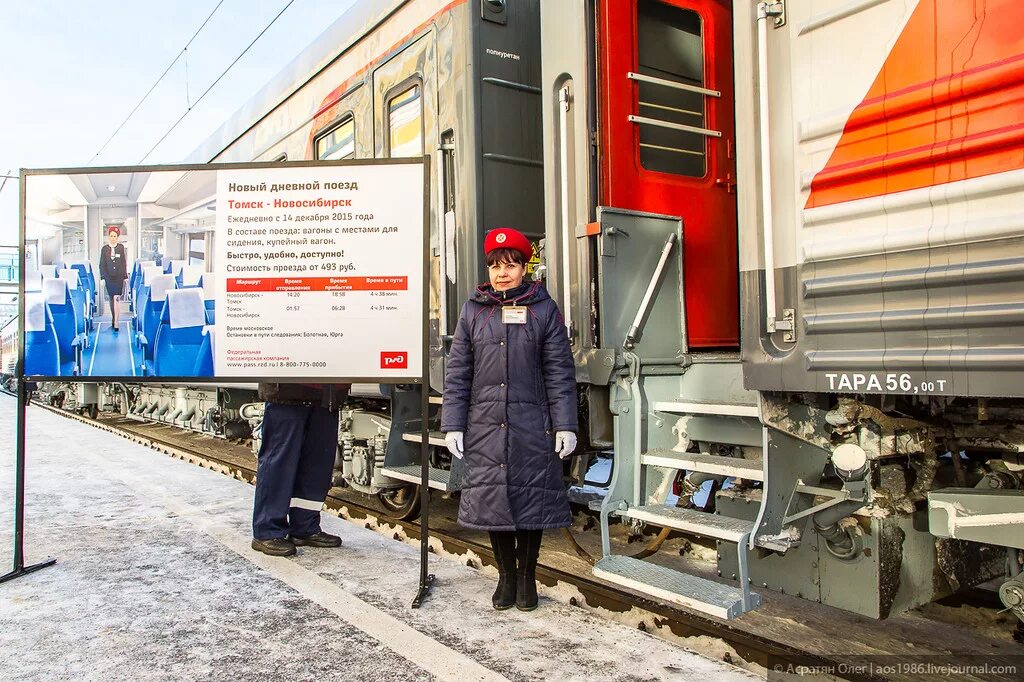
293,473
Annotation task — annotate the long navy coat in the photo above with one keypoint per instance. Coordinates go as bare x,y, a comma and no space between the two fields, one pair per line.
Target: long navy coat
509,388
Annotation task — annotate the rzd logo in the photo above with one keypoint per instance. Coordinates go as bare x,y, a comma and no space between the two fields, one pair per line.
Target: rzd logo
394,359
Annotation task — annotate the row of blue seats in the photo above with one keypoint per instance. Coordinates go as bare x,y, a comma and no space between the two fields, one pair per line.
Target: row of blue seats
55,331
172,338
167,332
182,342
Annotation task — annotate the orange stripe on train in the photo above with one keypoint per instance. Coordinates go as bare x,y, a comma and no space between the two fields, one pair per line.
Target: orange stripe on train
947,105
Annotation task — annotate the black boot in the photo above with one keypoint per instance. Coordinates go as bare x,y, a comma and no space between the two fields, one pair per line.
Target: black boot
527,551
504,545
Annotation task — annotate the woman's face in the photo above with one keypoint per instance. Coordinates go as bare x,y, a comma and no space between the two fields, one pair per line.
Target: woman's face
112,238
505,275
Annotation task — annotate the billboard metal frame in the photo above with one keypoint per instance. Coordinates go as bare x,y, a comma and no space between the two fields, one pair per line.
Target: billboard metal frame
425,579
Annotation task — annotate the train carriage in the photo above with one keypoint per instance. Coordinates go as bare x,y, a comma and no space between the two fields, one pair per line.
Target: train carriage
785,239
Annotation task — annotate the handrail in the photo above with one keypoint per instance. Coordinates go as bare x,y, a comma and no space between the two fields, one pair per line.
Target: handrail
674,126
564,106
637,327
633,76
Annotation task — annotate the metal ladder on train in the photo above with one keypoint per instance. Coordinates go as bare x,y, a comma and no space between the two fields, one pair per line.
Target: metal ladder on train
439,479
690,591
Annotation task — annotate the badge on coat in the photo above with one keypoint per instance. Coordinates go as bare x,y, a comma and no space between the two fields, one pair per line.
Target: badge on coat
513,314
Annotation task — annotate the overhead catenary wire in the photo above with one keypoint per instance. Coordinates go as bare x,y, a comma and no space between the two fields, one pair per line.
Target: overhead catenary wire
214,83
174,61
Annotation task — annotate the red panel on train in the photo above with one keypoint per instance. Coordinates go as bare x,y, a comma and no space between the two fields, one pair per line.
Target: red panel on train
667,128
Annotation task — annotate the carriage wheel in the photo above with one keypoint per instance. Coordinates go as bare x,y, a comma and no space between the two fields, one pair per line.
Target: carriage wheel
401,503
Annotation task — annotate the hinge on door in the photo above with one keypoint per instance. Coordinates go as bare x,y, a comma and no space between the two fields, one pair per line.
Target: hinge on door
776,10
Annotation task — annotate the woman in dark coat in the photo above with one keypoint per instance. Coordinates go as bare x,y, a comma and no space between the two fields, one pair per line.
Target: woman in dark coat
510,409
113,270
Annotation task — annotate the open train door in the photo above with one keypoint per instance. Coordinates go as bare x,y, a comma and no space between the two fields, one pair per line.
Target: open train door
667,130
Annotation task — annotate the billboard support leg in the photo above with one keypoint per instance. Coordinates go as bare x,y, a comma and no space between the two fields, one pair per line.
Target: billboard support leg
426,578
20,568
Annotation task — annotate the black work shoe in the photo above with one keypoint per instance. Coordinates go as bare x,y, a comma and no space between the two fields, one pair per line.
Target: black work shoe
317,539
274,546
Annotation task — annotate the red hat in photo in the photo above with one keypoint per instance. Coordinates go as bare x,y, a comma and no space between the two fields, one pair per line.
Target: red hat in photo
113,228
507,238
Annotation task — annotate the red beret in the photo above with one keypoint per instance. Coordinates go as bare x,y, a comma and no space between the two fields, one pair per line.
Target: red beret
507,238
113,228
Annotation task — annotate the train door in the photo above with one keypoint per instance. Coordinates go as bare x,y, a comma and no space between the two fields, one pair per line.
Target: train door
667,128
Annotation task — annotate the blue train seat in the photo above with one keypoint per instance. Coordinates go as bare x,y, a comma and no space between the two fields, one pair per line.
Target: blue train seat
208,283
191,276
204,361
48,271
79,300
135,279
152,315
42,351
86,276
181,335
141,295
62,311
174,267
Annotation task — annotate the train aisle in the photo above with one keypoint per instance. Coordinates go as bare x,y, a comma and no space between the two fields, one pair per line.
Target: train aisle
111,354
155,579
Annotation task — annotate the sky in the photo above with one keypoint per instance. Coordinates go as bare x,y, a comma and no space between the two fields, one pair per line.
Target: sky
76,68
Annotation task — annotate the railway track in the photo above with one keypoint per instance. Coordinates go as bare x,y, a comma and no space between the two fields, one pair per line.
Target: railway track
593,594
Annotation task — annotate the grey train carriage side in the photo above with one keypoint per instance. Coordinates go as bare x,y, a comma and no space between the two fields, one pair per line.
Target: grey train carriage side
862,436
696,369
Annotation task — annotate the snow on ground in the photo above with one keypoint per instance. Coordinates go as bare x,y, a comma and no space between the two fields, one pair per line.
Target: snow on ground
155,580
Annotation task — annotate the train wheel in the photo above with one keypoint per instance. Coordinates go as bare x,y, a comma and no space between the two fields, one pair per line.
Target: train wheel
93,411
401,503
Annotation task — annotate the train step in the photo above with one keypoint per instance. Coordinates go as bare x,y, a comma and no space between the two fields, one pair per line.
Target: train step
707,408
693,592
737,467
699,523
435,438
440,479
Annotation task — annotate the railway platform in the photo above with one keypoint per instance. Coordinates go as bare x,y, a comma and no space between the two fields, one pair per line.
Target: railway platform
155,579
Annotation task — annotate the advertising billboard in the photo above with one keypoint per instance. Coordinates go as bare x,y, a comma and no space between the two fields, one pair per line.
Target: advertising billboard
288,271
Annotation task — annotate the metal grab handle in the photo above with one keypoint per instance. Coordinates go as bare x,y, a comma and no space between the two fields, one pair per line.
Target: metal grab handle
637,327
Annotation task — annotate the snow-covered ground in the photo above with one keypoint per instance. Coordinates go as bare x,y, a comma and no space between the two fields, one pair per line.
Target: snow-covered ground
155,580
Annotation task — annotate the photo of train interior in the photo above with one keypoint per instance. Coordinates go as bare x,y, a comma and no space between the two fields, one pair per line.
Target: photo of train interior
807,355
161,225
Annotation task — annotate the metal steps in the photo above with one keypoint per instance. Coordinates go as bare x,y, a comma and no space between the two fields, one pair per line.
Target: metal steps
690,591
707,408
692,521
435,438
750,469
439,478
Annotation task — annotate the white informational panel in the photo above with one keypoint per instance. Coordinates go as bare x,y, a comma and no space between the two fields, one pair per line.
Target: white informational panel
265,272
323,274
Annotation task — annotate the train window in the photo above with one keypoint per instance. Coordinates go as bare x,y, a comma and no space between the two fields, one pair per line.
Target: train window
338,142
405,123
671,48
196,248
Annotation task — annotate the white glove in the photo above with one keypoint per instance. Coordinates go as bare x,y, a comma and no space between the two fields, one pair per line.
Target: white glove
453,440
565,443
